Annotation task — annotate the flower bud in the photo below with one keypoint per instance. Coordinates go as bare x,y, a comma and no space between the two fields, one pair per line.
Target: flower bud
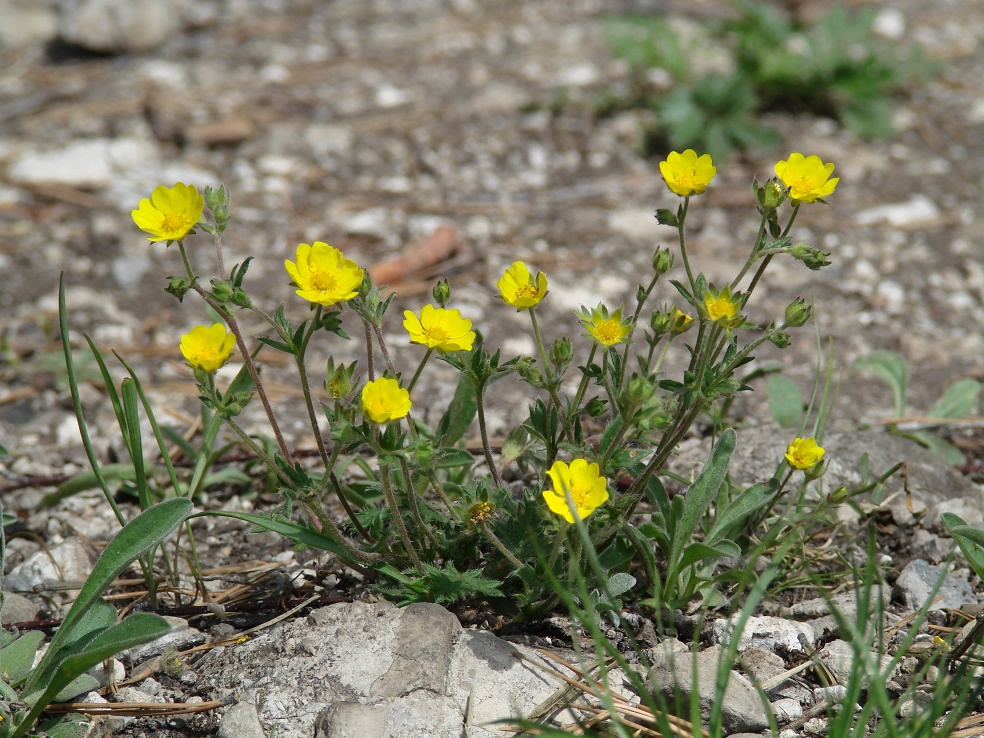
561,352
813,258
662,321
773,194
178,286
215,198
595,407
441,292
639,389
221,290
780,339
339,380
681,323
662,261
240,298
528,371
797,313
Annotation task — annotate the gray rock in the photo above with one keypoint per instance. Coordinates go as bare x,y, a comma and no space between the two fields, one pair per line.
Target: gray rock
358,669
240,721
765,632
787,709
181,637
18,609
84,164
66,562
27,22
741,707
114,27
839,657
918,579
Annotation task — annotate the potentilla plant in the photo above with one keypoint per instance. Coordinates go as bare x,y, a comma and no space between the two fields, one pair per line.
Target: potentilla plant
431,521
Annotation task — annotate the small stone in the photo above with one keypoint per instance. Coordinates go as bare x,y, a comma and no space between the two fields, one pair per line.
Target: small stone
240,721
815,726
787,709
765,632
64,563
919,211
919,578
831,695
18,609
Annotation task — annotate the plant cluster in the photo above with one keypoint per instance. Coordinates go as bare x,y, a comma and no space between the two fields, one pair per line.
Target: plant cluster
836,67
430,522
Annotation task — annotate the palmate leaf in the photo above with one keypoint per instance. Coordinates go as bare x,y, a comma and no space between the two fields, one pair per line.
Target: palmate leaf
444,585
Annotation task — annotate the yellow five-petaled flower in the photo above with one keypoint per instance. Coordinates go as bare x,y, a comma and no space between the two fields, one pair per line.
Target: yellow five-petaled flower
722,307
606,329
588,490
384,400
323,275
804,453
519,288
807,177
207,347
440,328
687,174
170,212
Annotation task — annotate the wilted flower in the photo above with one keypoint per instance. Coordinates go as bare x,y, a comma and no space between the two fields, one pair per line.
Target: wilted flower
804,453
588,490
687,174
607,330
207,347
806,177
384,400
323,275
170,213
518,287
480,512
440,328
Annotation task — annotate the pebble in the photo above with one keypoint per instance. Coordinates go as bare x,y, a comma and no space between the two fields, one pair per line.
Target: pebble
108,26
918,580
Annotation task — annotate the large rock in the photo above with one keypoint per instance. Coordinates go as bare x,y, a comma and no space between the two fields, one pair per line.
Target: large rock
358,670
66,563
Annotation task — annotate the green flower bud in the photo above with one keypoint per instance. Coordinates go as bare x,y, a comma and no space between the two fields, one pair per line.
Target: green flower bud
797,313
780,339
178,286
661,321
442,292
773,194
221,290
561,352
240,298
813,258
340,380
528,371
662,261
595,407
215,198
639,389
681,322
236,403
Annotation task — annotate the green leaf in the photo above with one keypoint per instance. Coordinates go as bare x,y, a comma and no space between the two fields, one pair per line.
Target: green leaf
88,480
889,366
785,401
134,446
619,584
17,658
702,492
970,540
958,400
740,509
66,726
939,447
608,436
137,537
460,413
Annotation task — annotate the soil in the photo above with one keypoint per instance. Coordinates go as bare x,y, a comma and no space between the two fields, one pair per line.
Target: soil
369,125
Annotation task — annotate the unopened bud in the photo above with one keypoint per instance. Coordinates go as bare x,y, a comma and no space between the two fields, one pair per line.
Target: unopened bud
528,371
441,292
773,194
178,286
339,381
221,290
813,258
681,322
561,352
797,313
639,389
662,261
780,339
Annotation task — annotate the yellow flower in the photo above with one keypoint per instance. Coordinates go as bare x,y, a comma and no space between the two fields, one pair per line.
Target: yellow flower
518,287
687,174
607,330
384,400
587,489
440,328
681,322
804,453
169,214
722,307
806,177
207,348
323,275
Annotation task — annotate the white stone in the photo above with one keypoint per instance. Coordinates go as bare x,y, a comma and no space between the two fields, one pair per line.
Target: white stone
917,211
765,632
112,26
889,23
27,22
87,164
66,562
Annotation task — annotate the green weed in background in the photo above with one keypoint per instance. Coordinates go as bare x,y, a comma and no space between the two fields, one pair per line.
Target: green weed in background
764,61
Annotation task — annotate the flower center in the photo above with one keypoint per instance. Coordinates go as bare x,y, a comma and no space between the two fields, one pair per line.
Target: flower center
173,223
609,332
720,307
526,290
687,179
436,333
324,281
